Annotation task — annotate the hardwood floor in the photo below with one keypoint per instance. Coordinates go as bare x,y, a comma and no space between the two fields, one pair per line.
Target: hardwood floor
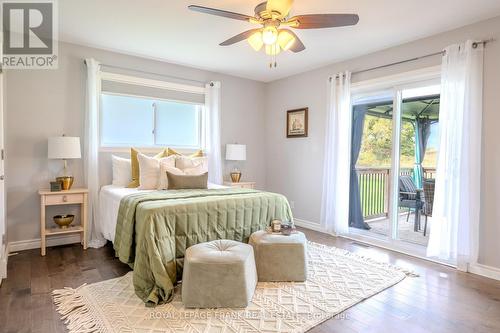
440,300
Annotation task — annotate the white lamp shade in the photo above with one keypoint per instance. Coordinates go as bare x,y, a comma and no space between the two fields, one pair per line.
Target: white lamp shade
64,147
235,152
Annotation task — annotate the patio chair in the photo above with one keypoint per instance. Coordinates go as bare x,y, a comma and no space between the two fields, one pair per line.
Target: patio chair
410,197
429,186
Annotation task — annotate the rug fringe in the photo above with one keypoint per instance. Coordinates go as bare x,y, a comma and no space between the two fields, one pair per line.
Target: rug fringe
77,316
372,261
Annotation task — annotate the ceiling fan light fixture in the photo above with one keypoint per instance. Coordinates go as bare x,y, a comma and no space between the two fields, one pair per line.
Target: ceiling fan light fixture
273,49
285,40
270,35
271,15
255,41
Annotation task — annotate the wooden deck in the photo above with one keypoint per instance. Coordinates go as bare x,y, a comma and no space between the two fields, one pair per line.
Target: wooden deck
405,229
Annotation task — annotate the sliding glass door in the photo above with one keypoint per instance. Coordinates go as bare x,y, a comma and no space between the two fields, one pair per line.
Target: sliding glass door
418,150
371,161
393,158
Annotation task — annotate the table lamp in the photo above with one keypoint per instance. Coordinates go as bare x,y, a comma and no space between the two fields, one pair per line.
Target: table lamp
236,152
64,148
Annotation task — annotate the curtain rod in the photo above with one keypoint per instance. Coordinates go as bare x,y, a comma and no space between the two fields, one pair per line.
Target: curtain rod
474,45
151,73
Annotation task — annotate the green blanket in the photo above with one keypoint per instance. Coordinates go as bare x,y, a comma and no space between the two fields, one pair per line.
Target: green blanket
154,229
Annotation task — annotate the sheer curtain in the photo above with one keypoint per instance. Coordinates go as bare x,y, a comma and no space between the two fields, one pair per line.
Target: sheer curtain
335,198
422,132
212,132
456,216
91,152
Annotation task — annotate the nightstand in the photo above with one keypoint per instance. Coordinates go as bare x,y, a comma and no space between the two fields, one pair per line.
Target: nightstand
240,184
69,197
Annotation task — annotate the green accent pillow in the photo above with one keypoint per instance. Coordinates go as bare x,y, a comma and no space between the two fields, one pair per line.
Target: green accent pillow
183,182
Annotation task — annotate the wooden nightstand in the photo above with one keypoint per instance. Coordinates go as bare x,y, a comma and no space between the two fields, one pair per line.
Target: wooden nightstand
69,197
241,184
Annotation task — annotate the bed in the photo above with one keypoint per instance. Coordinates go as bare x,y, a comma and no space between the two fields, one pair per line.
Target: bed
151,230
109,203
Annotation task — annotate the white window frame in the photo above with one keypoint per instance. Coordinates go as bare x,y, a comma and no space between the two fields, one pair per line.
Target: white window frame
364,88
157,84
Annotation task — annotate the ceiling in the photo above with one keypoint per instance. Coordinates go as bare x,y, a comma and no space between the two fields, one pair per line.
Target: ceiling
167,30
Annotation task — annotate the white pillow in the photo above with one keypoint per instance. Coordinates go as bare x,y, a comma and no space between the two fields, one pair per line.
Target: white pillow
186,162
149,170
122,174
166,163
163,184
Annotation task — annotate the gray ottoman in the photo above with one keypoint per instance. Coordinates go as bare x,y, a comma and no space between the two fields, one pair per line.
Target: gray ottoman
218,274
279,257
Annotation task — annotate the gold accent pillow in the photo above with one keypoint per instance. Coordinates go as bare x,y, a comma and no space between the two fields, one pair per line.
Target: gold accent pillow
170,151
135,165
183,182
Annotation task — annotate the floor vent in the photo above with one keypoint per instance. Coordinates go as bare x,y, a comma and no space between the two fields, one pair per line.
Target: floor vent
360,244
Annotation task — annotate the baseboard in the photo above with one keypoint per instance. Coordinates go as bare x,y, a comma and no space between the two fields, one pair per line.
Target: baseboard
3,263
35,243
486,271
309,225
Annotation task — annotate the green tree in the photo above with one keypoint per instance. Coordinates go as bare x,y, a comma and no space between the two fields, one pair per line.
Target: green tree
377,143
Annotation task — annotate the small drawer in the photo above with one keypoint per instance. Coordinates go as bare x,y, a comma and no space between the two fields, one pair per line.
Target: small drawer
62,199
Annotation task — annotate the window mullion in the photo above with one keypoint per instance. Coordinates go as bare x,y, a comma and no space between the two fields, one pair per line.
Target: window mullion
155,121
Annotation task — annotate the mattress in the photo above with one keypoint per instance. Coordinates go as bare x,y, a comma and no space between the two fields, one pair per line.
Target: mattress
109,203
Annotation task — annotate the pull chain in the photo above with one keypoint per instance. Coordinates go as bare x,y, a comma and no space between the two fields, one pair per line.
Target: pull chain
272,61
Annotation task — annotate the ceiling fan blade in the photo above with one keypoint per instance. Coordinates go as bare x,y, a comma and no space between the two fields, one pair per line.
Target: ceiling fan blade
239,37
219,12
318,21
281,6
297,46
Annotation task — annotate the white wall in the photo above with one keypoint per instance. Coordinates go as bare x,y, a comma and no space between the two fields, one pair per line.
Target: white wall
44,103
295,166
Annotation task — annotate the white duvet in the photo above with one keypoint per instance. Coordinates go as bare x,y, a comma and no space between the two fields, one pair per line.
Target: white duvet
109,203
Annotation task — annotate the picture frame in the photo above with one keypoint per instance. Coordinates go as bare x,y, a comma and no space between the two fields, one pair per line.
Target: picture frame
297,123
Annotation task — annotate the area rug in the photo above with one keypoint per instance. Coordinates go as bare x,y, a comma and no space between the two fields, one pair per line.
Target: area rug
337,280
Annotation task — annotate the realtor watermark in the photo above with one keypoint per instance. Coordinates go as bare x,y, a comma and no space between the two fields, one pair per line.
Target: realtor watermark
30,34
245,315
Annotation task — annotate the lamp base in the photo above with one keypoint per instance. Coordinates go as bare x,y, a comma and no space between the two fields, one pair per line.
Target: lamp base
66,182
235,176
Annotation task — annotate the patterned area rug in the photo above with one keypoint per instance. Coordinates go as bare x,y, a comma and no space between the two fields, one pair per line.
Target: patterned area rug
337,280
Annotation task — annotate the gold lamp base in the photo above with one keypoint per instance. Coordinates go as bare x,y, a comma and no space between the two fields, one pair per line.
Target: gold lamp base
235,177
66,182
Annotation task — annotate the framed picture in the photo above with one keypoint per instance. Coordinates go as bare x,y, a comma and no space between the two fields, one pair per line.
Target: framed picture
296,123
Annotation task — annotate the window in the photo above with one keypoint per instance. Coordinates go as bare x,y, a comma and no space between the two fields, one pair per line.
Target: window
128,120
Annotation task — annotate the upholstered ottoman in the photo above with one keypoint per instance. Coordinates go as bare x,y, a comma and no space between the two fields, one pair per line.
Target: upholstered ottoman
218,274
280,257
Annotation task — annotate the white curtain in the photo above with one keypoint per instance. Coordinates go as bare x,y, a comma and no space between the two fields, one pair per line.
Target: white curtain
91,152
455,221
212,131
335,199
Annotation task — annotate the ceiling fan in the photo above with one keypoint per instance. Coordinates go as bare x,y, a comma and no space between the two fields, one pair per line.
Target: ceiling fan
274,18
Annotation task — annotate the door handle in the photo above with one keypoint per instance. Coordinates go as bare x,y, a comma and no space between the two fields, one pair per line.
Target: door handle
2,177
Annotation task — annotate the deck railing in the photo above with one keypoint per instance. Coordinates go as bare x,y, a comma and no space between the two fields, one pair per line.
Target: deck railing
429,173
374,185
